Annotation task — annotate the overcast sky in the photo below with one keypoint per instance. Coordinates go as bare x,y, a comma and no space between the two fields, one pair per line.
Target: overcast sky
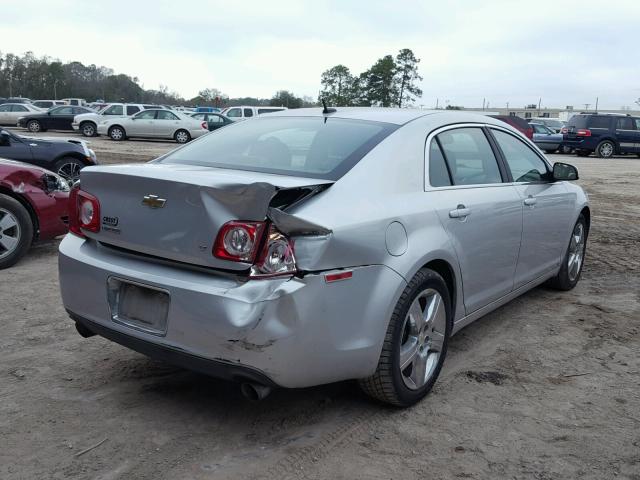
567,53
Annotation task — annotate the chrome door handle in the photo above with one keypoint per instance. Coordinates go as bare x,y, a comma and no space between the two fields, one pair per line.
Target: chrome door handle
33,144
530,201
460,212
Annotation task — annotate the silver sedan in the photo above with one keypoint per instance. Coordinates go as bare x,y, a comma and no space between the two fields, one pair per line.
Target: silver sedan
154,123
313,246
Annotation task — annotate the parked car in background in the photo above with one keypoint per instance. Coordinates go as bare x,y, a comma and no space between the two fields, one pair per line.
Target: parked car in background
604,134
283,253
243,112
78,102
66,157
11,112
47,104
214,120
33,207
16,100
207,109
554,124
56,118
545,138
87,123
154,123
518,123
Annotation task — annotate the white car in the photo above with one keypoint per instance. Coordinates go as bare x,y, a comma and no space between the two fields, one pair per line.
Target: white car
87,123
11,112
243,112
154,123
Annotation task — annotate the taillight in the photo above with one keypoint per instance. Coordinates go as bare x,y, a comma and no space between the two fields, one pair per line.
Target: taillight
84,212
204,125
277,256
238,241
583,132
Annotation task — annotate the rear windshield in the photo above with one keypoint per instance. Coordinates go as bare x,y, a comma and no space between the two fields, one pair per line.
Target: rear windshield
325,148
578,121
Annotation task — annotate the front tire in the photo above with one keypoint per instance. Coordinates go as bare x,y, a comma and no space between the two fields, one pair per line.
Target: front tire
88,129
16,231
34,126
571,269
415,344
117,133
182,136
605,149
69,169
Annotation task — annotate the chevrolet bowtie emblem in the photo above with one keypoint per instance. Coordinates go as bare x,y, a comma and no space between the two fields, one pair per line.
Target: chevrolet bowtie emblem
153,201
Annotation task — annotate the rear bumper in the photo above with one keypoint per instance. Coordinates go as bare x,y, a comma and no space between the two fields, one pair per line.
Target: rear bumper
580,143
295,332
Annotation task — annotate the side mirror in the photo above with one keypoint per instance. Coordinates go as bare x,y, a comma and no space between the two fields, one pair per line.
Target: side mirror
564,171
5,139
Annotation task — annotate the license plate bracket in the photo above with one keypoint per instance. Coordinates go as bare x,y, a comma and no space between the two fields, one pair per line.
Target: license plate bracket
138,306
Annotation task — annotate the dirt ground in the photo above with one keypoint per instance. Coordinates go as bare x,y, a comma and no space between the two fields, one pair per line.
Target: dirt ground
547,387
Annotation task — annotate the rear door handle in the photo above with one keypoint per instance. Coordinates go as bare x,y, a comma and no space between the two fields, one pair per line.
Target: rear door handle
530,201
460,212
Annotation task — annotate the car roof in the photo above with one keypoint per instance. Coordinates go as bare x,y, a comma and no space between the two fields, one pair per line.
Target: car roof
398,116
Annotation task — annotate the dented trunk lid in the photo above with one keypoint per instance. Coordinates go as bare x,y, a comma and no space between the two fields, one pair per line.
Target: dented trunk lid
185,206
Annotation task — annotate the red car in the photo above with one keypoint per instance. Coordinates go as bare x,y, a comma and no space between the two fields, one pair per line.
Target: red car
33,207
518,123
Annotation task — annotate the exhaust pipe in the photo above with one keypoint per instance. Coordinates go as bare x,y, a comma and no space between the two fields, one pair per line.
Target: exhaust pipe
254,391
84,331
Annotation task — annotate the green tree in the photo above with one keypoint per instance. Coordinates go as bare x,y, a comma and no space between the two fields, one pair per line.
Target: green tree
407,77
379,87
284,98
337,86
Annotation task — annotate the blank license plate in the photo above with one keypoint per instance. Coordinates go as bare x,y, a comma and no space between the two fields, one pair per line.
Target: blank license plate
138,306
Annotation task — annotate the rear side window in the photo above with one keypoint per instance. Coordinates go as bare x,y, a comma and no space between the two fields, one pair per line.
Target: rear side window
113,110
438,174
599,122
469,156
19,108
625,123
312,147
248,112
166,115
578,121
524,164
132,109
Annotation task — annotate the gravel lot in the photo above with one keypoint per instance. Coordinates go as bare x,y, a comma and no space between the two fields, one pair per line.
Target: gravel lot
547,387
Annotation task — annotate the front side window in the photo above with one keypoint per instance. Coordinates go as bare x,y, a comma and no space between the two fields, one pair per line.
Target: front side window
438,173
146,115
166,115
5,108
539,128
324,148
234,113
113,110
469,156
523,162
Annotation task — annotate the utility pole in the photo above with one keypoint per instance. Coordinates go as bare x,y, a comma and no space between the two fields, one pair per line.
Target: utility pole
586,106
597,104
437,102
483,102
539,103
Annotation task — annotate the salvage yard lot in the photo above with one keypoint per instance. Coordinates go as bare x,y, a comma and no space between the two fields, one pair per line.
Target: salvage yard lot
545,387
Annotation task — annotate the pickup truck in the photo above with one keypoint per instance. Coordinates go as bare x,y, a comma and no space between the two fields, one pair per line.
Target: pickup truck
87,123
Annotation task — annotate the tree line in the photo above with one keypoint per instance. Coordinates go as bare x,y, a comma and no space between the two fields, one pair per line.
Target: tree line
391,81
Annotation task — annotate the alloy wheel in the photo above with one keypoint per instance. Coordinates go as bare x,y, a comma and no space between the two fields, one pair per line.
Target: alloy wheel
70,172
10,233
576,251
88,130
423,335
34,127
606,150
116,134
182,137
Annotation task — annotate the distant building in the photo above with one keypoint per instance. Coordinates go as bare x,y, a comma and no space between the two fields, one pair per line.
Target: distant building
559,113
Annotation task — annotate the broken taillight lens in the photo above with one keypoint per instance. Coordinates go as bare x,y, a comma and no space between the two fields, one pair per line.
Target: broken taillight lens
84,212
277,256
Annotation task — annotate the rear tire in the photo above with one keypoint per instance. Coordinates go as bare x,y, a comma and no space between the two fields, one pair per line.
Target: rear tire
16,231
606,149
34,126
117,133
88,129
551,151
182,136
411,335
573,260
